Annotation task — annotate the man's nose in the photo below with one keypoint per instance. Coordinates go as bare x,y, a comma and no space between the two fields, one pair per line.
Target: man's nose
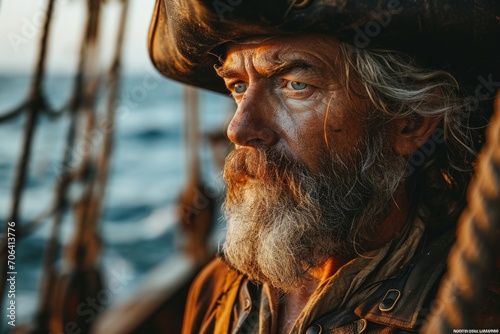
252,124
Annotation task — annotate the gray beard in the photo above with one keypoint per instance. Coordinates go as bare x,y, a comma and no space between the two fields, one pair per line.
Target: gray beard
283,220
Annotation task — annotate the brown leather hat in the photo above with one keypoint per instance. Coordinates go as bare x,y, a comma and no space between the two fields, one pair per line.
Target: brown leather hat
461,36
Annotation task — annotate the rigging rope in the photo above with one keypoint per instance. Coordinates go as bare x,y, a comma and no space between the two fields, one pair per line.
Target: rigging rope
24,159
91,173
473,256
81,82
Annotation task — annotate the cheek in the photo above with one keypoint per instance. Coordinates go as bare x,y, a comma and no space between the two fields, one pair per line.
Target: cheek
301,123
341,130
345,125
345,137
308,129
305,137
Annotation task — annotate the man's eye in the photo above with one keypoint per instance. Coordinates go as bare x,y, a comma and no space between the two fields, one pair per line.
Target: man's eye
240,87
297,85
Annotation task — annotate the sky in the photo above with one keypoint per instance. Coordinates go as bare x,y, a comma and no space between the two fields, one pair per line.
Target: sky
21,23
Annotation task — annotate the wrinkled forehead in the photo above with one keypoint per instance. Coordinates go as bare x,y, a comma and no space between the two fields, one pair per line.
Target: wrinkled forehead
316,48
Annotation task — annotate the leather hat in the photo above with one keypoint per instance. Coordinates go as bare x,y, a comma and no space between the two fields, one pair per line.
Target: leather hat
186,37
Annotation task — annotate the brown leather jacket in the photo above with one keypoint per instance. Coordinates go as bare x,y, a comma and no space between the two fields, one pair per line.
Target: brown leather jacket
224,301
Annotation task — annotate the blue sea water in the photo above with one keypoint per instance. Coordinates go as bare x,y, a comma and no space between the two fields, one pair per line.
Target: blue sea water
148,170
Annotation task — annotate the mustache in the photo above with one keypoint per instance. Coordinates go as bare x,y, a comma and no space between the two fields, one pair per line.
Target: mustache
265,164
268,167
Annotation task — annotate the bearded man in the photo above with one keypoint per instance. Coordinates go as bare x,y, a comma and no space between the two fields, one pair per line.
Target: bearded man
350,163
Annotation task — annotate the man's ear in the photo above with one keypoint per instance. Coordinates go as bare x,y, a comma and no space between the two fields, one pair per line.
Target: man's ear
410,134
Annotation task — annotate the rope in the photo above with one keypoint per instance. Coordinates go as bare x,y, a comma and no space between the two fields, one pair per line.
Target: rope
472,258
86,171
91,172
11,114
22,169
83,251
49,273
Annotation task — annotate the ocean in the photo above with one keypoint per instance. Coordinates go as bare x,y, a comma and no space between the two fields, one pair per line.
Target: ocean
139,228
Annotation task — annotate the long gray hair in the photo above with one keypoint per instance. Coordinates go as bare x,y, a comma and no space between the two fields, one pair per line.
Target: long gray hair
398,87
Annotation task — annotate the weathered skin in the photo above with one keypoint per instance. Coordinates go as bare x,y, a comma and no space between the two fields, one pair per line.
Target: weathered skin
302,109
272,112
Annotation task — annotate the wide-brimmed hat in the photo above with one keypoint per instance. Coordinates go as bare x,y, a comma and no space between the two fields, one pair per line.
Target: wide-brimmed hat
461,36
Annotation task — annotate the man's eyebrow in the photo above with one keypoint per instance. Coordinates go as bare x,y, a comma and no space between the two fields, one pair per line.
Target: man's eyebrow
225,72
288,66
278,69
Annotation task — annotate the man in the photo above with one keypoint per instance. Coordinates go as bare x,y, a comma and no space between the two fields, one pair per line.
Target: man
349,169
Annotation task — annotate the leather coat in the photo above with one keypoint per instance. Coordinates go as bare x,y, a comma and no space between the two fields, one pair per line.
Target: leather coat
223,301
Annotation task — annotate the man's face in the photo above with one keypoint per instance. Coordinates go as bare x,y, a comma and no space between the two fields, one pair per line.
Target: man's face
291,95
311,170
